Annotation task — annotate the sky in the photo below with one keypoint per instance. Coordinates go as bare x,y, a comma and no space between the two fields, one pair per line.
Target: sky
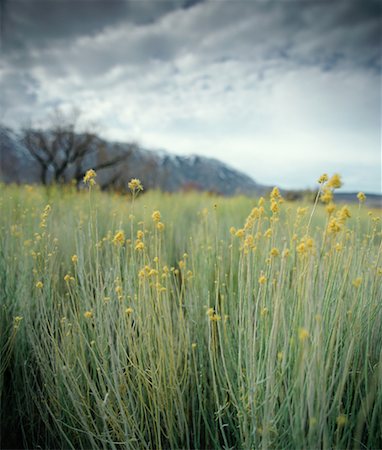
281,90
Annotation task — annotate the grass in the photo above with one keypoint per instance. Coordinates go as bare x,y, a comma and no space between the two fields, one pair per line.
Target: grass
117,333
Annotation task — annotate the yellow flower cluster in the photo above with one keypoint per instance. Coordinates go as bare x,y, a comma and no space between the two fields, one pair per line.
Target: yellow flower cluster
306,245
135,185
89,177
276,200
361,197
119,238
156,216
212,315
44,216
328,186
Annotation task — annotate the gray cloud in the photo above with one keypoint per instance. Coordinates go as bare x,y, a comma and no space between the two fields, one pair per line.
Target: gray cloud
200,76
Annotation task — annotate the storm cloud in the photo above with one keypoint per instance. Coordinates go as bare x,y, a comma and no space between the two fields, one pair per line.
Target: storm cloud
281,90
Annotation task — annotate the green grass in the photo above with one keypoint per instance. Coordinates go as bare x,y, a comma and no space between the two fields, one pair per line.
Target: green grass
202,339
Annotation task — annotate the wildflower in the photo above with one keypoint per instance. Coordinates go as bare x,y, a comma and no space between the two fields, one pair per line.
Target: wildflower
156,216
135,185
140,234
343,214
262,279
330,208
323,178
139,245
129,311
335,181
119,238
338,247
67,278
89,177
194,345
357,282
16,321
274,252
74,259
301,248
215,317
361,197
88,314
301,211
261,201
210,311
39,285
274,206
240,233
334,226
280,356
264,312
268,233
275,194
341,420
232,230
160,226
303,334
326,196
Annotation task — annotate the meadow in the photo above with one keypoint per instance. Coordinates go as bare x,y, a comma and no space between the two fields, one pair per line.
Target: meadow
188,321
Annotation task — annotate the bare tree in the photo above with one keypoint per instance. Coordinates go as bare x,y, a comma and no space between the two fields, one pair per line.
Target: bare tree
63,152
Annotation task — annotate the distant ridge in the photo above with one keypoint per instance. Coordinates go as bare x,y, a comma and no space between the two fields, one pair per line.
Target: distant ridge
156,169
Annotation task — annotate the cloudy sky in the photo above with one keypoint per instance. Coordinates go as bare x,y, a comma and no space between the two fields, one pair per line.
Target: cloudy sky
282,90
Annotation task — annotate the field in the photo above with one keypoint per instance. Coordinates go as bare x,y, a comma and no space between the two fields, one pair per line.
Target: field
150,321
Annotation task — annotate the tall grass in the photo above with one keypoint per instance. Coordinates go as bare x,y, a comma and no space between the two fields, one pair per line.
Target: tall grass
116,333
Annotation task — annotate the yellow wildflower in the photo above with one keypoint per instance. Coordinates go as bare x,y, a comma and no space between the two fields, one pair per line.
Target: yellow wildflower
334,226
129,311
323,178
160,226
268,233
215,317
210,311
16,321
39,285
88,314
135,185
341,420
262,279
301,248
343,214
156,216
335,181
301,211
274,252
261,201
275,194
74,259
89,177
357,282
140,234
330,208
326,196
274,206
232,230
139,245
303,334
240,233
119,238
361,197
